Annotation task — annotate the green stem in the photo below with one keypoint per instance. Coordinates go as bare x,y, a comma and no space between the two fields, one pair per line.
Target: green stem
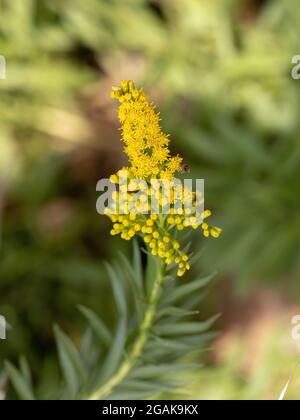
139,344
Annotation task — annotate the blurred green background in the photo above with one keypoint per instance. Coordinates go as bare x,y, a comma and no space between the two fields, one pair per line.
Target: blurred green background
220,72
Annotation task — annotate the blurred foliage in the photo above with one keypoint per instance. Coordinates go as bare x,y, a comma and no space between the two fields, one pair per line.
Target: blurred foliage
221,72
156,326
230,379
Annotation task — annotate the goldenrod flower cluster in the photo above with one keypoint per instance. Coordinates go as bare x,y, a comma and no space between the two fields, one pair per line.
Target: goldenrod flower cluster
150,159
145,144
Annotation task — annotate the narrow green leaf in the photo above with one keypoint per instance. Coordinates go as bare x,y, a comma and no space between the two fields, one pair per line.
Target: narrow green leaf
136,292
70,361
193,301
151,270
86,347
24,367
19,382
182,291
185,328
137,267
115,352
196,257
200,339
130,271
118,290
97,325
171,345
175,311
151,385
151,371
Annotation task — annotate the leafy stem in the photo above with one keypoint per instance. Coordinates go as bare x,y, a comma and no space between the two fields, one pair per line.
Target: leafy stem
139,344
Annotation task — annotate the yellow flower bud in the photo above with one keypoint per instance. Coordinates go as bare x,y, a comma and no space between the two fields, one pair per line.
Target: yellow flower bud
180,272
215,232
114,179
176,245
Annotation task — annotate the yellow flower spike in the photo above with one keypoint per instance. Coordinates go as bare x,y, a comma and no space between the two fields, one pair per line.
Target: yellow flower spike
150,160
141,133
